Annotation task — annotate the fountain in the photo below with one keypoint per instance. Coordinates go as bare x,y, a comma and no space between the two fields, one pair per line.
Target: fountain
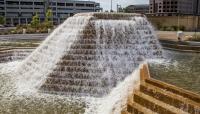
90,55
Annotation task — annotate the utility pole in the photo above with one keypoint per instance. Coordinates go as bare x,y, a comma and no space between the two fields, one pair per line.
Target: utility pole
111,6
197,14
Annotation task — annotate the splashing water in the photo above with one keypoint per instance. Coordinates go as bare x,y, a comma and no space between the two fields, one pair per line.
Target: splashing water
90,55
39,64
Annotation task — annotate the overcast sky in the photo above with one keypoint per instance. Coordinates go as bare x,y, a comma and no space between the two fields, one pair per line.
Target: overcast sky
105,4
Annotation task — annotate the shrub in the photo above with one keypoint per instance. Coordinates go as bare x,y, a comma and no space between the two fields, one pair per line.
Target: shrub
2,20
182,28
35,21
30,30
168,28
175,28
159,26
195,38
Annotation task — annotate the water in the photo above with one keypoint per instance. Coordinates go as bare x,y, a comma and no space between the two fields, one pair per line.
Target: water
14,55
178,68
87,59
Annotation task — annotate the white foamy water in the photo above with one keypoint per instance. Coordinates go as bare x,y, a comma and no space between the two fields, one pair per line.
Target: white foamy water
114,102
34,69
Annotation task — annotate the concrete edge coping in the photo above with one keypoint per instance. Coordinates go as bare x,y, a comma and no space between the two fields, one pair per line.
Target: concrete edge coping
180,50
145,75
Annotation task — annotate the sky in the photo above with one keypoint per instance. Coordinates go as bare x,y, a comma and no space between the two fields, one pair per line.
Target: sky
106,4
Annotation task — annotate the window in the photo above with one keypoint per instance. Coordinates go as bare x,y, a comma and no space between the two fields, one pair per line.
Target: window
12,2
54,8
89,5
52,3
26,3
12,12
38,8
38,3
12,7
79,5
60,4
69,4
2,13
26,8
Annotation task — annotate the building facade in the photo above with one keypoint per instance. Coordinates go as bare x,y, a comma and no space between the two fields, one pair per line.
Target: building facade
142,8
21,11
174,7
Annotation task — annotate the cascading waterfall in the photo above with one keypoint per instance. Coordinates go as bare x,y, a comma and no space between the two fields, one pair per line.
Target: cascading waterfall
34,69
123,45
94,55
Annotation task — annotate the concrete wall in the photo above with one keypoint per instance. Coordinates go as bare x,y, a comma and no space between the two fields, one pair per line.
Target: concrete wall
189,22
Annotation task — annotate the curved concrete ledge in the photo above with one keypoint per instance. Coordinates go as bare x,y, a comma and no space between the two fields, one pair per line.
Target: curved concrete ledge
23,37
181,46
14,53
193,43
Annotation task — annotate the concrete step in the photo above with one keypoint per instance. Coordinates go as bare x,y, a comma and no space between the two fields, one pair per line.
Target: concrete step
155,105
74,89
83,51
71,82
71,94
170,98
83,46
78,63
78,69
135,108
75,75
80,57
173,89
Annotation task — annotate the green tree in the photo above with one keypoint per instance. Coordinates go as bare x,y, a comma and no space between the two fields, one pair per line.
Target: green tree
35,21
2,20
48,19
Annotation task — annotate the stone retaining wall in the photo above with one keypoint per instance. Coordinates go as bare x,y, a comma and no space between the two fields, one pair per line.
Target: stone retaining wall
189,22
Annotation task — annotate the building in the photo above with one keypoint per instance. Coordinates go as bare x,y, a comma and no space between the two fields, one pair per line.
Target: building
119,8
142,8
21,11
174,7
